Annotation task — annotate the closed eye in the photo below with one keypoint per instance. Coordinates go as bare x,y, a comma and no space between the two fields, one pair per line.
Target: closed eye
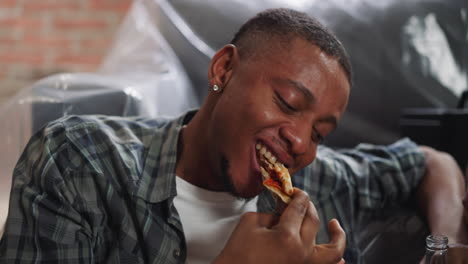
285,104
317,137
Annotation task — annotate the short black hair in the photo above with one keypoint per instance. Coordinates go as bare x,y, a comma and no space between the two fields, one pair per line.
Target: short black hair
284,24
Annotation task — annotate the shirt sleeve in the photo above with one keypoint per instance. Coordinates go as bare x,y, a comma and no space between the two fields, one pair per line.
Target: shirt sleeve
353,185
382,176
45,223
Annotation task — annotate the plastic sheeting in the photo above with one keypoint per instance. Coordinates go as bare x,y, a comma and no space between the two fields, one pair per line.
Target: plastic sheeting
405,53
160,94
140,77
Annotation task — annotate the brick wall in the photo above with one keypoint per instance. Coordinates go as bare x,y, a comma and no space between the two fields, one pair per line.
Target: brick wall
41,37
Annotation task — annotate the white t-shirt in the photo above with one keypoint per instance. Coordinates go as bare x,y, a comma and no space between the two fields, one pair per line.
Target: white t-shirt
208,219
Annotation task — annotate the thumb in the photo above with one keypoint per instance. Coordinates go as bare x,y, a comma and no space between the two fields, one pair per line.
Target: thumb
334,250
267,220
337,234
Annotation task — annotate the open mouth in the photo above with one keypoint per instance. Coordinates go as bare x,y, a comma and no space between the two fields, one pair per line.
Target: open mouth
275,175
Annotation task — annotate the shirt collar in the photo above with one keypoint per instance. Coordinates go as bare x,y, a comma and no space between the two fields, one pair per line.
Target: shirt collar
157,182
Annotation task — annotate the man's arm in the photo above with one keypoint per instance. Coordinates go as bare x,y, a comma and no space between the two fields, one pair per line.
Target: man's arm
43,224
440,196
289,238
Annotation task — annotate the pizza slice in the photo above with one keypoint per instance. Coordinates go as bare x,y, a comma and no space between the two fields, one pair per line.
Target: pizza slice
275,175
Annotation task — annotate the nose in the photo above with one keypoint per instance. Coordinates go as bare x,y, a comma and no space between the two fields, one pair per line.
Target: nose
298,139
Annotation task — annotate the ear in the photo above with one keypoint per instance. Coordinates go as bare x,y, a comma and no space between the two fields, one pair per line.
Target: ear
222,64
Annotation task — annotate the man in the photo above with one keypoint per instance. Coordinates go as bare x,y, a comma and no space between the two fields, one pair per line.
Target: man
114,190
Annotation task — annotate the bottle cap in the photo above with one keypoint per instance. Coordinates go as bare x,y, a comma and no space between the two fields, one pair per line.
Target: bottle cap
436,242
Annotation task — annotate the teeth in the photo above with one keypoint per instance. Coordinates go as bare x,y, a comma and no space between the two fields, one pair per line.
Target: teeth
277,167
267,154
272,159
264,173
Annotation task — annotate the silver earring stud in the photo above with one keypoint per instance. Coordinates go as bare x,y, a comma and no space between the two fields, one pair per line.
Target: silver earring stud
215,88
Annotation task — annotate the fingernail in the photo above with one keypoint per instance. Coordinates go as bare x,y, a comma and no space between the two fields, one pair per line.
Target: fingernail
336,221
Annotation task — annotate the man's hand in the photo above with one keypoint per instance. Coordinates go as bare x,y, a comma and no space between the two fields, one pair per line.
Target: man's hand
458,253
465,206
442,196
265,238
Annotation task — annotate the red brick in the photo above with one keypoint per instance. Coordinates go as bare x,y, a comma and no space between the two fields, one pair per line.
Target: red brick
8,3
46,42
21,58
44,5
4,41
111,5
80,24
68,59
88,68
101,43
21,22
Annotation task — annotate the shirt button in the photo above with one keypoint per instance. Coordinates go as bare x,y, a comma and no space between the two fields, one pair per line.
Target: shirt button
176,253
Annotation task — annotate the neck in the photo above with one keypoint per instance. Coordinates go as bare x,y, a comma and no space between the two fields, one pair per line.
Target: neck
195,161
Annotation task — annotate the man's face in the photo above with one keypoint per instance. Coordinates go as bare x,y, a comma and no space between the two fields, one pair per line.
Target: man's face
287,100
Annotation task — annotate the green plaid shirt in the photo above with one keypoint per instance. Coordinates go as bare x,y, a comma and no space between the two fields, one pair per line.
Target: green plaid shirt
95,189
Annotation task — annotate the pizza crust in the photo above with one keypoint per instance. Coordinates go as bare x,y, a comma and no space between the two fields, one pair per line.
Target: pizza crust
282,195
283,175
280,185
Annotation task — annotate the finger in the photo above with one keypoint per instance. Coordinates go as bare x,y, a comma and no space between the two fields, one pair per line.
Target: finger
342,261
267,220
457,253
280,206
333,251
293,215
258,219
310,225
337,235
324,254
465,206
423,260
